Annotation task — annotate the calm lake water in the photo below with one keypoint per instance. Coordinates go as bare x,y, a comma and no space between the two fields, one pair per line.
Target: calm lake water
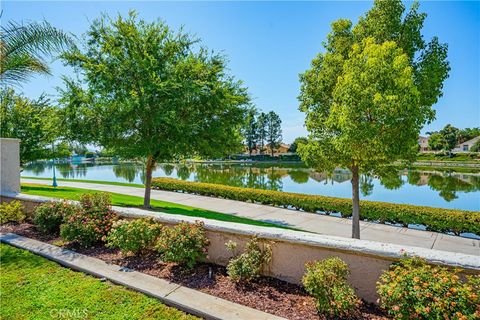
429,188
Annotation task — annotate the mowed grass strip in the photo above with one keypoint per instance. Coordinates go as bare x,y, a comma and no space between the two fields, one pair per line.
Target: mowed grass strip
123,200
33,287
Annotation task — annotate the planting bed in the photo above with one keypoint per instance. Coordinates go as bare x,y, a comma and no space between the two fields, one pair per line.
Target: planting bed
267,294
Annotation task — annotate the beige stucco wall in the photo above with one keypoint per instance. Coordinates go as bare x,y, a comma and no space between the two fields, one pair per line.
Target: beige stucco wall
292,249
9,165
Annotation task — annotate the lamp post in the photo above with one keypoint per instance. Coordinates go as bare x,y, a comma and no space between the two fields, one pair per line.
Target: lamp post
54,183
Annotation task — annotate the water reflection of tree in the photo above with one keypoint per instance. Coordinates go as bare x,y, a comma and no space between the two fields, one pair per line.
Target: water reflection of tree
183,172
366,185
299,176
36,168
167,168
449,185
69,171
391,179
127,171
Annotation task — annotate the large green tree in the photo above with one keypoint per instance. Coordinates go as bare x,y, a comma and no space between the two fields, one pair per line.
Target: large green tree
34,122
367,96
24,48
250,130
274,131
145,91
262,131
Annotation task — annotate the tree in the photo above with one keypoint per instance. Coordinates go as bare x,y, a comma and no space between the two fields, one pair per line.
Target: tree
144,91
369,94
467,134
476,146
449,137
296,142
435,141
274,131
34,122
262,131
250,130
24,47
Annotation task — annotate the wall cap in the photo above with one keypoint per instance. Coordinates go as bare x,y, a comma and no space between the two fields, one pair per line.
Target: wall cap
366,247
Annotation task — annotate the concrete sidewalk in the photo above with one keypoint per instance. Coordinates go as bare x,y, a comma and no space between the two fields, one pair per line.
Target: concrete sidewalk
306,221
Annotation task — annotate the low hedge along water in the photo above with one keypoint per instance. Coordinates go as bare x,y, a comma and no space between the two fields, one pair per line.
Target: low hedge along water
434,219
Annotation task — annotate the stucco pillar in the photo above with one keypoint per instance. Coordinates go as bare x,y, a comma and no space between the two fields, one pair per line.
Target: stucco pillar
9,165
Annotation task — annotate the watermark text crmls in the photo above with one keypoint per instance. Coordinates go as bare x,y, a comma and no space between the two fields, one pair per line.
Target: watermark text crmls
65,313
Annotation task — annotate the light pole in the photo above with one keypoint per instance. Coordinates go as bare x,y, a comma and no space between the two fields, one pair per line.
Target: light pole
54,184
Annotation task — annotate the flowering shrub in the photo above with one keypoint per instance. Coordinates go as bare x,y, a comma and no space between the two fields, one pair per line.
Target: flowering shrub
92,222
183,243
135,236
414,289
247,266
49,216
12,211
326,281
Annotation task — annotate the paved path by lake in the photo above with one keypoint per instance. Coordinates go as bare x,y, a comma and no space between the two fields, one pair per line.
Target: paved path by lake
306,221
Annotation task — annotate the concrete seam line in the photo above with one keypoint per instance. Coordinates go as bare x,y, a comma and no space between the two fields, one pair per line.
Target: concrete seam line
136,281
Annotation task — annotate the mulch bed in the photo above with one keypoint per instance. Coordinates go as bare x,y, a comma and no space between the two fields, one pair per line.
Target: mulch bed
267,294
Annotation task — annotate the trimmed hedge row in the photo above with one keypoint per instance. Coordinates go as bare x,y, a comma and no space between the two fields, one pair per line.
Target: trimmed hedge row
435,219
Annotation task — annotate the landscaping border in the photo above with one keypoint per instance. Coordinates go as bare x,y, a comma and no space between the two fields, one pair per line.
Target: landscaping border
292,249
435,219
177,296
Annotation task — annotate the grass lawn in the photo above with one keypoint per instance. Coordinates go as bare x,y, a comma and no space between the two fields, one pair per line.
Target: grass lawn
35,288
137,185
123,200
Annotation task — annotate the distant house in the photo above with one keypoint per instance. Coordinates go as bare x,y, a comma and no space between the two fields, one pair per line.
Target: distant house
282,149
423,143
465,146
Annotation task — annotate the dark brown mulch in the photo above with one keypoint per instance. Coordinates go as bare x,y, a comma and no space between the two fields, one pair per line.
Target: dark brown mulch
267,294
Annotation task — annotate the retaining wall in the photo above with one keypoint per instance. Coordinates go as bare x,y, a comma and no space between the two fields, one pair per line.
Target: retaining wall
292,249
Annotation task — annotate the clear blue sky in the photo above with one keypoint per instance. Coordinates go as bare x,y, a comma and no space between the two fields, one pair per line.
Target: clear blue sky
269,43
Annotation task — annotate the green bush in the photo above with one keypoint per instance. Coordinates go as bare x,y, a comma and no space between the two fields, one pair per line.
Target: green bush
12,211
435,219
414,289
92,222
183,243
49,216
135,236
247,266
326,281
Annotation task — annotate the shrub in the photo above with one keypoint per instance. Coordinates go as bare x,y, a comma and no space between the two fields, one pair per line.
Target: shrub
435,219
92,223
135,236
414,289
12,211
49,216
247,266
326,281
183,243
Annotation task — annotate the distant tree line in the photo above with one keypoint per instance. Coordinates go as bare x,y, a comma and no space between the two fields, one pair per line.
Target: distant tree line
262,131
450,136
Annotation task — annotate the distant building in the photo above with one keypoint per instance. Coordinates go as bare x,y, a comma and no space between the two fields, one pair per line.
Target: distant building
465,146
282,149
423,143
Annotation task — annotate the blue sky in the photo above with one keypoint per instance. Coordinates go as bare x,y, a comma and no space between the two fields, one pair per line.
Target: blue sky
269,43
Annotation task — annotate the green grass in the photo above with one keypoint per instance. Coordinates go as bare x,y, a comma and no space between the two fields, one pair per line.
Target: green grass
126,184
123,200
460,157
33,287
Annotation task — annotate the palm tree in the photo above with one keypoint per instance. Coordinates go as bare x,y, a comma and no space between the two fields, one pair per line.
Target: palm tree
24,48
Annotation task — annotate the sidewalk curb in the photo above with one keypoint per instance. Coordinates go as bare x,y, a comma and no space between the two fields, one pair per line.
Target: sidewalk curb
180,297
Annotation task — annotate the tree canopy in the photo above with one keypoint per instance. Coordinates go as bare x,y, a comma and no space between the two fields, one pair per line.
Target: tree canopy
34,122
145,91
367,96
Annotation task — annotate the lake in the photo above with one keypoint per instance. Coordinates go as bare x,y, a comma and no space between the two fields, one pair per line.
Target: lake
429,188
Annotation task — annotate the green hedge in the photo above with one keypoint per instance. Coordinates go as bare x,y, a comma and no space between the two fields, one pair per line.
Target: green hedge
435,219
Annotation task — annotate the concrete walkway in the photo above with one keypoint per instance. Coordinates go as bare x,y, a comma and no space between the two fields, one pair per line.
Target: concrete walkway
180,297
306,221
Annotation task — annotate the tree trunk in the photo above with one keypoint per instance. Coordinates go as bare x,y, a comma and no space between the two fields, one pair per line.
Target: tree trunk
355,203
148,181
271,148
